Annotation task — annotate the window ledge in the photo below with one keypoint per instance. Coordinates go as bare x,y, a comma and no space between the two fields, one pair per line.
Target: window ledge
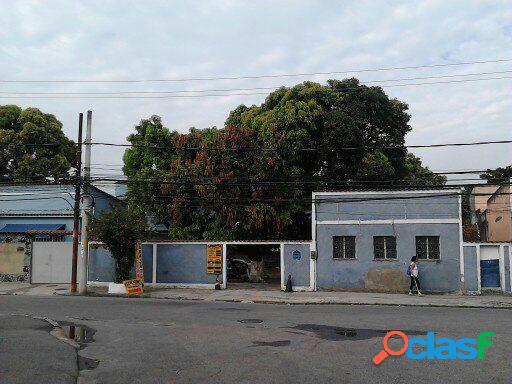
345,259
385,259
430,260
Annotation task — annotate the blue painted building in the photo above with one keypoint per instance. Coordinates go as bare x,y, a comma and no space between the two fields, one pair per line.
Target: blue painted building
365,240
45,211
40,218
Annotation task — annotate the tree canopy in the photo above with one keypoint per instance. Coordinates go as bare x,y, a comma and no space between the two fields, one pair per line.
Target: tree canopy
253,178
498,175
33,146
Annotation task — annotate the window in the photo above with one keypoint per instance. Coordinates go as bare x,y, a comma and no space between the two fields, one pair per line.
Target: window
343,247
384,247
427,247
48,238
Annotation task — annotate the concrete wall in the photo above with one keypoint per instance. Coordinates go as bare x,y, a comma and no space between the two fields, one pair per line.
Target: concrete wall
299,269
182,264
471,269
12,256
402,206
175,264
51,262
404,214
365,272
506,250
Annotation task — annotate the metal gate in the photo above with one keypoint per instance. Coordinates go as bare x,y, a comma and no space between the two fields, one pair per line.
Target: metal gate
51,262
490,273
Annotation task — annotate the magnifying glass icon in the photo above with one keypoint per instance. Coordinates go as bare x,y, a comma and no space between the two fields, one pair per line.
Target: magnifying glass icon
386,352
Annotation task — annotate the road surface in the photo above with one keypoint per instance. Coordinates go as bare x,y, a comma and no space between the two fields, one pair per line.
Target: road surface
164,341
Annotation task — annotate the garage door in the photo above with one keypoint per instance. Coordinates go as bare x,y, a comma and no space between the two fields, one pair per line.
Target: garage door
51,262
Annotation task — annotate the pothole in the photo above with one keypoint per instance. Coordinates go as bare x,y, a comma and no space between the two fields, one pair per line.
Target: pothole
250,321
80,333
333,333
277,343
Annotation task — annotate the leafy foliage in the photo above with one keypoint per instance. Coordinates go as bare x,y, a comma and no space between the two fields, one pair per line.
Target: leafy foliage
119,230
227,184
498,175
23,157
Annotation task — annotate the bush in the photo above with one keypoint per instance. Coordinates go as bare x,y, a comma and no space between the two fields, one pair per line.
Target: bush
119,230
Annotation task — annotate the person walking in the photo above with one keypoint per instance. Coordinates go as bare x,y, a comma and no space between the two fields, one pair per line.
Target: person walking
413,273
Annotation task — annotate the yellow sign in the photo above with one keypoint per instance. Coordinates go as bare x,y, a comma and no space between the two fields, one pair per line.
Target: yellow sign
214,259
134,286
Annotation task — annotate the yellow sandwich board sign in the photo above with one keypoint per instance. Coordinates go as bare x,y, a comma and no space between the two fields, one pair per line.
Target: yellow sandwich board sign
133,286
214,259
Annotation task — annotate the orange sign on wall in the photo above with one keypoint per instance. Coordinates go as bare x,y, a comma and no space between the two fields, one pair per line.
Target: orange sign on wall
214,259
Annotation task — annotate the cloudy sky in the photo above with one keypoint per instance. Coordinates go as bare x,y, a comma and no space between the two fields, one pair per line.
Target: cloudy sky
119,40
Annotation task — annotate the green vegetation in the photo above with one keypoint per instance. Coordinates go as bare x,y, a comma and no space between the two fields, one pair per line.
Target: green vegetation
226,184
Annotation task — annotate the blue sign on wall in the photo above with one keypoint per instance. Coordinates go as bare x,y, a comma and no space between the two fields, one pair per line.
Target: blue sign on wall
296,255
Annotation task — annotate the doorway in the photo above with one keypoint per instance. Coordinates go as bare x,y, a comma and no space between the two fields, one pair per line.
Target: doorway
254,266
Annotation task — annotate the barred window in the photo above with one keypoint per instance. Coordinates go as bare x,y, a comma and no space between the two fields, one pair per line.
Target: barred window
48,238
343,247
427,247
384,247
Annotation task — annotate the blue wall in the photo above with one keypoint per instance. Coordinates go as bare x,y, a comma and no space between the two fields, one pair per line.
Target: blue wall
176,264
56,208
299,269
183,264
440,275
360,273
507,269
470,269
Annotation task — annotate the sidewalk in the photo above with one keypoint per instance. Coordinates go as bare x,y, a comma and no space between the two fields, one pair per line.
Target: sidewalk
340,298
279,297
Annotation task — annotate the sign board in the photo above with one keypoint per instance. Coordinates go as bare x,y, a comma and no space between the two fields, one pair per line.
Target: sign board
296,255
214,259
134,286
139,269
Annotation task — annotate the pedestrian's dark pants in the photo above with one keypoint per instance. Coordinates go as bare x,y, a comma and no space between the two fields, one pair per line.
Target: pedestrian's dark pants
417,285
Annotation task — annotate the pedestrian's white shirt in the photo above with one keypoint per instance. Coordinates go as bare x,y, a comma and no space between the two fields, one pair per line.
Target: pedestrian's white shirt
414,269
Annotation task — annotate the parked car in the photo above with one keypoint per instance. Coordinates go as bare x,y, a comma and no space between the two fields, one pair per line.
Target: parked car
237,268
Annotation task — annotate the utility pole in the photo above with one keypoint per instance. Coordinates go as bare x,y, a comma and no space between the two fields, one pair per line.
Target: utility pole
86,210
76,210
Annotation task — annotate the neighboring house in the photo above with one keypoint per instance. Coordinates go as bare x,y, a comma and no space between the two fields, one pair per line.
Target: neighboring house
498,215
34,214
365,240
491,211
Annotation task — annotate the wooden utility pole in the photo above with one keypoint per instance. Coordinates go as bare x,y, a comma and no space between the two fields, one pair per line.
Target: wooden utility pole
76,210
86,210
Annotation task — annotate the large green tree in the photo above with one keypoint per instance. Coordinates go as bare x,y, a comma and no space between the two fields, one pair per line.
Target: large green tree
498,175
253,179
33,146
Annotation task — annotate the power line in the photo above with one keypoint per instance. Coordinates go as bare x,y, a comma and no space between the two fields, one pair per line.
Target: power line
243,89
381,69
233,94
300,149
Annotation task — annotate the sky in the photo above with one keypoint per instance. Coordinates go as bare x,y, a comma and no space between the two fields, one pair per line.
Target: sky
120,40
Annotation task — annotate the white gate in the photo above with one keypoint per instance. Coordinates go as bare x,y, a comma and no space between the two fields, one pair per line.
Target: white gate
51,262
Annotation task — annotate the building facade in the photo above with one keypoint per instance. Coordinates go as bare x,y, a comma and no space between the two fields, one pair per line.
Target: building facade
36,230
365,240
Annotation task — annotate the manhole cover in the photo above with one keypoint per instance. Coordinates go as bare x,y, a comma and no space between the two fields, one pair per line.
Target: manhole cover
250,321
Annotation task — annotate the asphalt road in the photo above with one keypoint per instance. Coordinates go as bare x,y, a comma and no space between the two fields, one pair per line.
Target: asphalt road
162,341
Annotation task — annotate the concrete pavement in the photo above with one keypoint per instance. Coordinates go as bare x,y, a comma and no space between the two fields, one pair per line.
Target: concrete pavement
279,297
29,354
168,341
